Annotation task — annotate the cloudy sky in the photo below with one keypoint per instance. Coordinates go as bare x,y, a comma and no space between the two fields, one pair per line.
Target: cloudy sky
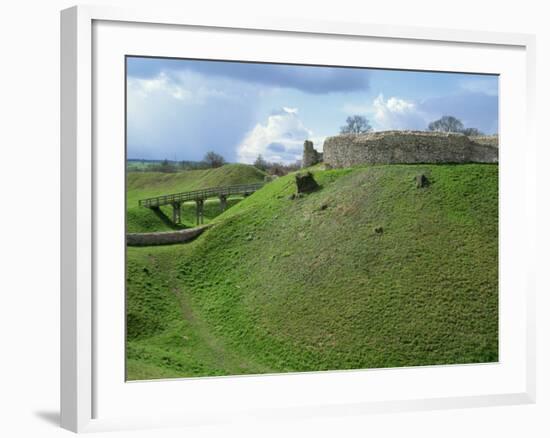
180,109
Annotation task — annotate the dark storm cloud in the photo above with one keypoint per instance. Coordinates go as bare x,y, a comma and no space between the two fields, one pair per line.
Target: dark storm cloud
309,79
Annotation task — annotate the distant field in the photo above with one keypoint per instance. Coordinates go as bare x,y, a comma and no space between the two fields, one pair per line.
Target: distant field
140,166
136,165
142,185
308,284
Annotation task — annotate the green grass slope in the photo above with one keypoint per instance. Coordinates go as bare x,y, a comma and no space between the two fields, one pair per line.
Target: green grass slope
308,284
142,185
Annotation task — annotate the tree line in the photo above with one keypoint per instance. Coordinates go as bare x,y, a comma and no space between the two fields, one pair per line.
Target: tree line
212,160
358,124
276,168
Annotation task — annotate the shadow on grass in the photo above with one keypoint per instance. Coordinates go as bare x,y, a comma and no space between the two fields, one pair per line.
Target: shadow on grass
166,220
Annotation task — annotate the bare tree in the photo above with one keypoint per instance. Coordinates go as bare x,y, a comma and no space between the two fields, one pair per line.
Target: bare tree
356,125
212,159
446,124
261,163
471,132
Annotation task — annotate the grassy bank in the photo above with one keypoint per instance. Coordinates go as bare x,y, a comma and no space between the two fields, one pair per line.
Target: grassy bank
368,271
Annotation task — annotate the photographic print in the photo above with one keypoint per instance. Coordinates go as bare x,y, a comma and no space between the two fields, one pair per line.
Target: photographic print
298,218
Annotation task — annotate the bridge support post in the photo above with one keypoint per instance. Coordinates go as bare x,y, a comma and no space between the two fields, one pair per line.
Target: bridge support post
223,202
176,212
200,211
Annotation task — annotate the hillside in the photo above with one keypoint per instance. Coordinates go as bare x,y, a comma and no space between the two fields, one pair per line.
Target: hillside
308,284
142,185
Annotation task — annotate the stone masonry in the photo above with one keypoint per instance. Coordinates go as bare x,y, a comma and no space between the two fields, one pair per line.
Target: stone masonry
163,238
408,147
489,140
310,155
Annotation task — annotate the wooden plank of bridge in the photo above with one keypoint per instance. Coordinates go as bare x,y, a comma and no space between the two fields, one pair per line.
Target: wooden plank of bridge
200,211
199,196
176,212
223,202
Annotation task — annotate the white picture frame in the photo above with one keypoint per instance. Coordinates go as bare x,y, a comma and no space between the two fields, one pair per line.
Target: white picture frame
86,385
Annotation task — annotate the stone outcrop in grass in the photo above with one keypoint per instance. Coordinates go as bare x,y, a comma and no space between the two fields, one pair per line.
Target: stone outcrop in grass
305,183
422,181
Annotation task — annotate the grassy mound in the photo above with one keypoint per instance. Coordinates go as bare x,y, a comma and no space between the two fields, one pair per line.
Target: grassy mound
142,185
369,271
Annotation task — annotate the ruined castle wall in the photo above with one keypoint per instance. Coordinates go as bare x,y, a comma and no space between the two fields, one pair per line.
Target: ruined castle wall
489,140
310,156
405,147
163,238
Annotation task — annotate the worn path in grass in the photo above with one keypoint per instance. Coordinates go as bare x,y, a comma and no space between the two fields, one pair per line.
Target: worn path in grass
166,336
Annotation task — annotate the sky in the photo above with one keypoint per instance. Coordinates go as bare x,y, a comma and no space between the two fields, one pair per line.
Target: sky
180,109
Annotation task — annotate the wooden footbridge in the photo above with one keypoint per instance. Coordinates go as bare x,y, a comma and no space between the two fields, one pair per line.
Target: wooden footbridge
176,200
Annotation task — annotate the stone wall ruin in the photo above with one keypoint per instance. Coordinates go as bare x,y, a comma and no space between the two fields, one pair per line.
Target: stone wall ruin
408,147
310,156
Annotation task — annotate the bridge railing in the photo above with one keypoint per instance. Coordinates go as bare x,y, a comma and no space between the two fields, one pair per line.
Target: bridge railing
202,194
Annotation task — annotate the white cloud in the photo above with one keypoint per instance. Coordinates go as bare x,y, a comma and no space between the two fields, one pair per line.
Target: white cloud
392,113
161,84
290,110
183,86
280,139
318,142
396,113
180,116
